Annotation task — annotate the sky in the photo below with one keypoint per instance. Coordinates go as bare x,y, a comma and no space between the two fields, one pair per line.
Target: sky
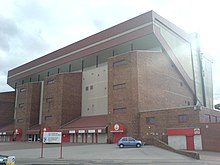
30,29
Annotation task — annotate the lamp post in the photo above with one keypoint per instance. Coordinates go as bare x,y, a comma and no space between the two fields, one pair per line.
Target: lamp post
42,140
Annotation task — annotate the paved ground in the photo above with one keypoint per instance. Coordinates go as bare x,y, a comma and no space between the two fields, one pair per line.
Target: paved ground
30,153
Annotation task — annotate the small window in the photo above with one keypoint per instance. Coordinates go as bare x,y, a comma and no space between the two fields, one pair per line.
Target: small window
119,86
207,118
131,139
87,88
183,118
48,117
22,89
120,110
150,120
49,99
91,87
21,105
20,120
50,82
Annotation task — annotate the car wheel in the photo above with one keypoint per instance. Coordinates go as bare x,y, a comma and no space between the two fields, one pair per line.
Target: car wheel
138,145
121,145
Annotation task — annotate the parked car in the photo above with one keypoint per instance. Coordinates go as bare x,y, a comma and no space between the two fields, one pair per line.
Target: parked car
3,159
130,142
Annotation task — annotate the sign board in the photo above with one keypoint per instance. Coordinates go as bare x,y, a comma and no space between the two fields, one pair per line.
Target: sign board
197,131
52,137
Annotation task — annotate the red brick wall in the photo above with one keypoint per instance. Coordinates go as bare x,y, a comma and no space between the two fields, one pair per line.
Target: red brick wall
210,136
160,85
124,96
167,118
28,107
150,82
209,115
7,104
62,99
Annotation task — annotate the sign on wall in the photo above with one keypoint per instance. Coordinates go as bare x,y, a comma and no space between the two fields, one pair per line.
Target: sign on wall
52,137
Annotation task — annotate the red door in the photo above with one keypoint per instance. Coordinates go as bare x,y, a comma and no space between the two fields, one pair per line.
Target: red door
118,136
190,142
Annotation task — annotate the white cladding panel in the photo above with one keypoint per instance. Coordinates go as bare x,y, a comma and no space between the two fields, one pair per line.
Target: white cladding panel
177,142
198,142
102,138
95,91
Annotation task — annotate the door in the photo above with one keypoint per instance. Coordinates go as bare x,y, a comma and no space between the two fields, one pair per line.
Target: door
118,136
190,143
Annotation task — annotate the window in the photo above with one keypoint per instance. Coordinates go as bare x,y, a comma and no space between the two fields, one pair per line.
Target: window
87,88
21,105
119,63
119,110
20,120
207,118
218,119
119,86
50,103
213,119
150,120
131,139
183,118
48,117
22,90
91,87
50,82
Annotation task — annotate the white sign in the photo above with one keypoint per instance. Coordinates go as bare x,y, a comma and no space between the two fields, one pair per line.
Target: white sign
81,131
72,131
197,131
52,137
91,131
99,131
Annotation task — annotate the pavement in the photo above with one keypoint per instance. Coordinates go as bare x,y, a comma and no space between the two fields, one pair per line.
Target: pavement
31,153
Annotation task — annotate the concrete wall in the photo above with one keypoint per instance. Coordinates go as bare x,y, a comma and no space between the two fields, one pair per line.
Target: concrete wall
94,91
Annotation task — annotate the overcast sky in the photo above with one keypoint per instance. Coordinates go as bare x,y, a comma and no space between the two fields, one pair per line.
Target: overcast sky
32,28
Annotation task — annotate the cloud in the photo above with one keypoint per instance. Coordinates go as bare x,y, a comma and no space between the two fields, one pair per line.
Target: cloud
30,29
8,29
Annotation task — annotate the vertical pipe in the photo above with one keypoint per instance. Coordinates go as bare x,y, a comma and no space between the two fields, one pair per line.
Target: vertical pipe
41,102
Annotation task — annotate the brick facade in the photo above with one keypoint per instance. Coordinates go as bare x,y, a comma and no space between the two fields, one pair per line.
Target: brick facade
62,99
123,92
167,118
142,81
160,85
7,104
27,107
210,136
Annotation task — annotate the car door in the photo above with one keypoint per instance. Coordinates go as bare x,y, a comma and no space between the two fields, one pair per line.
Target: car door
131,141
125,141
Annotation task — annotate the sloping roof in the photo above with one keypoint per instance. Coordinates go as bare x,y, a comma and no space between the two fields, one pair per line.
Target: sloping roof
87,122
9,128
34,129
